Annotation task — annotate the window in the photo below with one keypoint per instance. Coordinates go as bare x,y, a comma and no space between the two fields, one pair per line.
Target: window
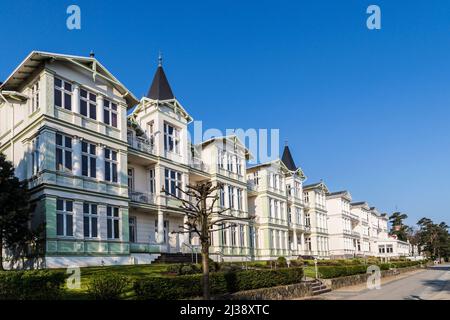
63,94
239,199
110,165
88,104
152,186
90,220
233,236
171,138
34,97
230,162
88,160
221,159
230,197
307,220
172,182
131,179
35,157
110,113
112,216
306,197
132,227
64,218
272,208
224,234
63,152
239,166
222,196
241,236
298,214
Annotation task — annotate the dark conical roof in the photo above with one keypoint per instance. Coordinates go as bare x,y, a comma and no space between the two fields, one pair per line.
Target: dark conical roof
287,159
160,88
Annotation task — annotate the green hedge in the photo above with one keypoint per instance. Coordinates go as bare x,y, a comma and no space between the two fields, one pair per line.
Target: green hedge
189,286
31,285
328,272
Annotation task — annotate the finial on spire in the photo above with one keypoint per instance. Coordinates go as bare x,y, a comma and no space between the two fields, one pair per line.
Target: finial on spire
160,59
92,54
285,143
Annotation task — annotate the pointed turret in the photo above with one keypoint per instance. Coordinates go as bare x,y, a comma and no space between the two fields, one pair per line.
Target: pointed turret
287,159
160,88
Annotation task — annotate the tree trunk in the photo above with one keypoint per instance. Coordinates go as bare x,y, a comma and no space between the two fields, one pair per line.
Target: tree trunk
1,253
205,264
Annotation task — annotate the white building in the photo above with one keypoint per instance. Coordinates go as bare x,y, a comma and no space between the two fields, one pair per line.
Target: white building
96,159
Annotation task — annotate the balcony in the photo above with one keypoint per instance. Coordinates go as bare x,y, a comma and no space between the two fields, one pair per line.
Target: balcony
356,234
142,197
199,164
141,144
252,186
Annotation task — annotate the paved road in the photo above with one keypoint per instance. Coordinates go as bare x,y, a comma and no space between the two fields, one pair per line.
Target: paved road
429,284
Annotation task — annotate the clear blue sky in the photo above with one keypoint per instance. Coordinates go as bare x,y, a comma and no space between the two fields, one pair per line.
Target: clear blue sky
366,111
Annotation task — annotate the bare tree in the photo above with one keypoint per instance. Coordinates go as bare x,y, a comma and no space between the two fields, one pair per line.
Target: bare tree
203,218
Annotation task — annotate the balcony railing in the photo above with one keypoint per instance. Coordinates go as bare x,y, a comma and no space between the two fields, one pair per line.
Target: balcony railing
143,197
251,186
199,164
356,234
141,144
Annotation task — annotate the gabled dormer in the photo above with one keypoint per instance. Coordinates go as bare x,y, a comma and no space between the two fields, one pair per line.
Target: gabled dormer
162,120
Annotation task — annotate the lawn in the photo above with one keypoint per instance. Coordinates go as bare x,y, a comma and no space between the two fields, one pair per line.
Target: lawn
133,272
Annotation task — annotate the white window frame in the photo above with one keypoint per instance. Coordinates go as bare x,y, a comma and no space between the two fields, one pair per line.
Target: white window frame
91,105
170,182
152,180
112,219
112,164
174,137
65,213
35,157
66,95
110,109
89,155
92,218
65,150
34,101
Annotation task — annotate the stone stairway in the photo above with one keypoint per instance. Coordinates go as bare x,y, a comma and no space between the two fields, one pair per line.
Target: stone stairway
318,287
178,258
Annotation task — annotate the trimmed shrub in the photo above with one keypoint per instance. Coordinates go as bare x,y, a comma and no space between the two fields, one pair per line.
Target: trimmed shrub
281,262
327,272
189,286
31,285
108,286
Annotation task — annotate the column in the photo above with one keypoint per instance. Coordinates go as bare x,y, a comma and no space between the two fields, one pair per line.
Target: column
302,241
78,218
100,105
160,239
286,241
294,235
100,164
76,156
76,98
